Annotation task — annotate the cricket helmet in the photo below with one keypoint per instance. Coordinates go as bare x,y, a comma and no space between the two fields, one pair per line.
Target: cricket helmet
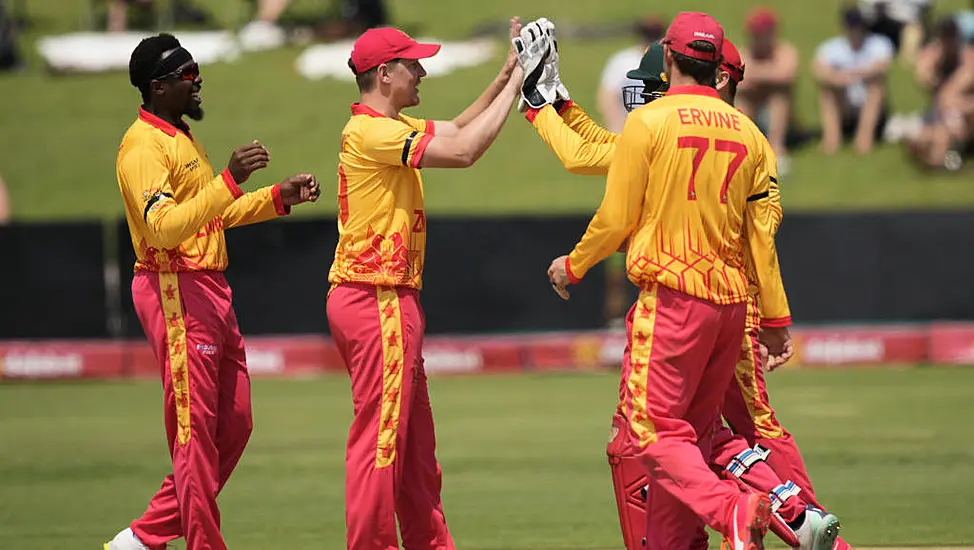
652,72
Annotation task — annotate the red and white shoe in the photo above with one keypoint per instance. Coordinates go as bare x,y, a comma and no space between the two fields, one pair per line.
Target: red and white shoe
752,517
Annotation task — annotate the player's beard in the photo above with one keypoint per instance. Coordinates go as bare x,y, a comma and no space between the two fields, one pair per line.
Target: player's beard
195,113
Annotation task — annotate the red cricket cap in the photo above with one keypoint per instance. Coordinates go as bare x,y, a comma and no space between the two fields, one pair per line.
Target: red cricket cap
689,27
761,20
383,44
732,62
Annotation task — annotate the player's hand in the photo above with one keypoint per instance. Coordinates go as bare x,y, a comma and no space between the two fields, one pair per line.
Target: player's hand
511,60
779,345
300,188
248,159
763,355
558,275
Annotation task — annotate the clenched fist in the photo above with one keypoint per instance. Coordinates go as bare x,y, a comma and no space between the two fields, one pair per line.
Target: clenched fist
248,159
300,188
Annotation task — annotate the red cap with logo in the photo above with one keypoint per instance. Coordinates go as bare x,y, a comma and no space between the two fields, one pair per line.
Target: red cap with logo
690,27
732,62
381,45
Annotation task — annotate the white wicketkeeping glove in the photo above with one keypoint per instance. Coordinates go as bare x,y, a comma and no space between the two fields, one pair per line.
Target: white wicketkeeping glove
551,61
533,47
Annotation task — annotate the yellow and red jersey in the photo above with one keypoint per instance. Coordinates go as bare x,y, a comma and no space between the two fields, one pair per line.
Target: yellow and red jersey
176,208
581,145
774,221
690,185
381,212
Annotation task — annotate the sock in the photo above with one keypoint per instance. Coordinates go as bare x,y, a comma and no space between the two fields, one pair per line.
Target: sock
797,522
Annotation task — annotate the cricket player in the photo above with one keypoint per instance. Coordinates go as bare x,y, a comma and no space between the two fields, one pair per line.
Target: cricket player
687,185
747,408
583,147
373,305
177,210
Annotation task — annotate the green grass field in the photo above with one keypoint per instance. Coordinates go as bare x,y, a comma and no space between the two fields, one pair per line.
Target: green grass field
523,457
60,134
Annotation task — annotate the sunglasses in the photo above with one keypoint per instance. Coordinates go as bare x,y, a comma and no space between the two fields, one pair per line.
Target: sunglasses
188,73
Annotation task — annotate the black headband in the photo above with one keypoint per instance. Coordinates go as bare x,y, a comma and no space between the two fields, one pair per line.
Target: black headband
168,62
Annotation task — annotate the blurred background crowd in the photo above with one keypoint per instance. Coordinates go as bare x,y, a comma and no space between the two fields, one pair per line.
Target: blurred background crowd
850,71
850,68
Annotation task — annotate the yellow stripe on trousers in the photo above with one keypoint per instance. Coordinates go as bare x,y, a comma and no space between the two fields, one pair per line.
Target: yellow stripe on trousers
390,318
747,381
178,366
643,322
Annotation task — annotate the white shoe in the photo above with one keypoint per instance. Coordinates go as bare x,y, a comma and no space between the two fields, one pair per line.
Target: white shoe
818,531
895,130
125,540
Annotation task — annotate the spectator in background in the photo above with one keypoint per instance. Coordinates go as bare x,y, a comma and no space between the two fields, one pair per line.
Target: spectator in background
4,203
263,32
182,12
9,55
271,10
766,95
902,21
364,14
610,103
965,21
945,67
118,14
355,17
851,70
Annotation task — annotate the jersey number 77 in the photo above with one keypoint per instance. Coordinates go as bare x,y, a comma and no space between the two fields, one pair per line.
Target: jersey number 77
702,145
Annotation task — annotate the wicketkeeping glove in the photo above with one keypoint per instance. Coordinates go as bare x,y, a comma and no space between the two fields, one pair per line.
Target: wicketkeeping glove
551,61
533,46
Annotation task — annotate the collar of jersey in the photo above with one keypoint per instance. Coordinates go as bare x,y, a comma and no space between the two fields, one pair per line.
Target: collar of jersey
360,109
692,90
169,129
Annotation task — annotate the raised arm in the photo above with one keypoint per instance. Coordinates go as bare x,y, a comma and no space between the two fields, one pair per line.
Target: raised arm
469,143
578,120
447,128
576,153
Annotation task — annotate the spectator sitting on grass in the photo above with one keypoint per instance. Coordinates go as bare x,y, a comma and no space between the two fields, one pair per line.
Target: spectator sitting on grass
851,73
767,91
945,67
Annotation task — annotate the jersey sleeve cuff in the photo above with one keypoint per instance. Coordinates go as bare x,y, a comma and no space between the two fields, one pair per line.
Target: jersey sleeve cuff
279,206
568,271
563,105
780,322
420,149
231,184
430,128
532,113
